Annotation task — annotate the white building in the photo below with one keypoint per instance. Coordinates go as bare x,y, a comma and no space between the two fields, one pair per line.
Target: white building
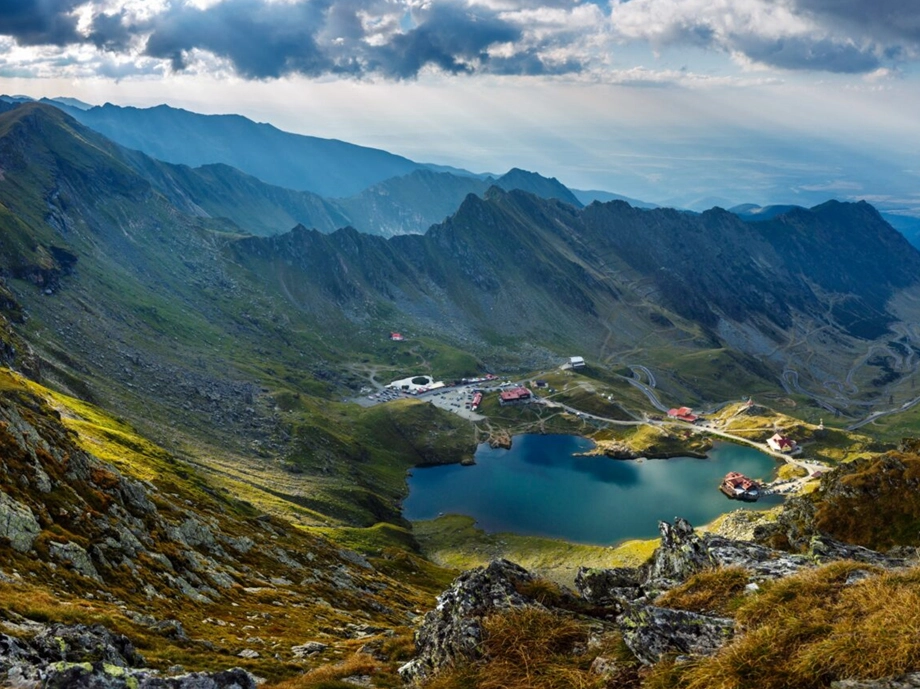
781,443
577,362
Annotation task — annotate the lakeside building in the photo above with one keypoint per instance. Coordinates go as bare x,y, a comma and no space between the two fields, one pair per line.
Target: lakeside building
519,395
740,487
781,443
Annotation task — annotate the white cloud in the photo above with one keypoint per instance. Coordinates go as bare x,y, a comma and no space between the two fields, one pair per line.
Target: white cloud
768,32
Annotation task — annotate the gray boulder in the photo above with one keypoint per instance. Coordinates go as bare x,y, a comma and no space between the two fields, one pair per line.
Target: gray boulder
308,648
83,644
17,524
681,555
651,632
609,587
453,630
73,555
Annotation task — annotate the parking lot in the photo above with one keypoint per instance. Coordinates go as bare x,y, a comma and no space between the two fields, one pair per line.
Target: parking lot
457,400
384,395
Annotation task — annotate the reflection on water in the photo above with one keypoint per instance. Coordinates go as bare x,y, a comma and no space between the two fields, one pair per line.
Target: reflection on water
539,487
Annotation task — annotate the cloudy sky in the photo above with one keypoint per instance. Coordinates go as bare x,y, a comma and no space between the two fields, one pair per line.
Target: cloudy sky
688,101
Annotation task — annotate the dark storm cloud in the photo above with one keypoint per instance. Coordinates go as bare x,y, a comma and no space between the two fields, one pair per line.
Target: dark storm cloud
802,53
39,22
448,37
111,31
886,21
841,36
268,40
261,40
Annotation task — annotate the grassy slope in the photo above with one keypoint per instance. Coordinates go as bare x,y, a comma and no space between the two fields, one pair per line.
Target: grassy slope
804,631
454,541
280,604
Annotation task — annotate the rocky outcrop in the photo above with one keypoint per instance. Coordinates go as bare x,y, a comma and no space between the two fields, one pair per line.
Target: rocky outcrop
609,587
681,554
652,632
870,501
452,631
17,524
85,676
82,657
684,553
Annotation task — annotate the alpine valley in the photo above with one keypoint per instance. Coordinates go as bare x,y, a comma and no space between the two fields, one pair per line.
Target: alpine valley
202,476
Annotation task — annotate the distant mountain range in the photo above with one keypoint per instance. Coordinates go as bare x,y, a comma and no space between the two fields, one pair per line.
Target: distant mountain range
907,225
268,180
195,458
587,197
130,239
325,183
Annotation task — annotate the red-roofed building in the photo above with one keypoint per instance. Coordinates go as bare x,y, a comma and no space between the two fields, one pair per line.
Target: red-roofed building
515,396
781,443
683,414
740,487
396,337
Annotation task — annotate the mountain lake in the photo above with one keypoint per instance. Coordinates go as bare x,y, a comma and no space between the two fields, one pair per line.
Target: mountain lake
539,487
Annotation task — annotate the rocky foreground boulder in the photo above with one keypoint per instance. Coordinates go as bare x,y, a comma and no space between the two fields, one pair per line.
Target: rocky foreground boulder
683,553
453,630
622,598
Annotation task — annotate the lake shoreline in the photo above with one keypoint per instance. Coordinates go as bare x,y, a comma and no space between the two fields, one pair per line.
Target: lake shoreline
553,486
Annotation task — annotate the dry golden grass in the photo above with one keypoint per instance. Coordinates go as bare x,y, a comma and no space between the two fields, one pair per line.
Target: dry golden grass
809,630
544,591
713,591
526,648
877,506
358,664
530,647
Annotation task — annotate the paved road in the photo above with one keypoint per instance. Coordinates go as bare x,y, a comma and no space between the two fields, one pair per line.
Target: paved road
878,414
651,376
649,393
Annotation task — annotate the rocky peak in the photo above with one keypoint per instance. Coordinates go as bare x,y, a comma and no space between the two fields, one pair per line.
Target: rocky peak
681,554
453,630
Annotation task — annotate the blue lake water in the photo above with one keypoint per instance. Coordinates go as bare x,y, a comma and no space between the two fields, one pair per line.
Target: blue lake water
539,487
